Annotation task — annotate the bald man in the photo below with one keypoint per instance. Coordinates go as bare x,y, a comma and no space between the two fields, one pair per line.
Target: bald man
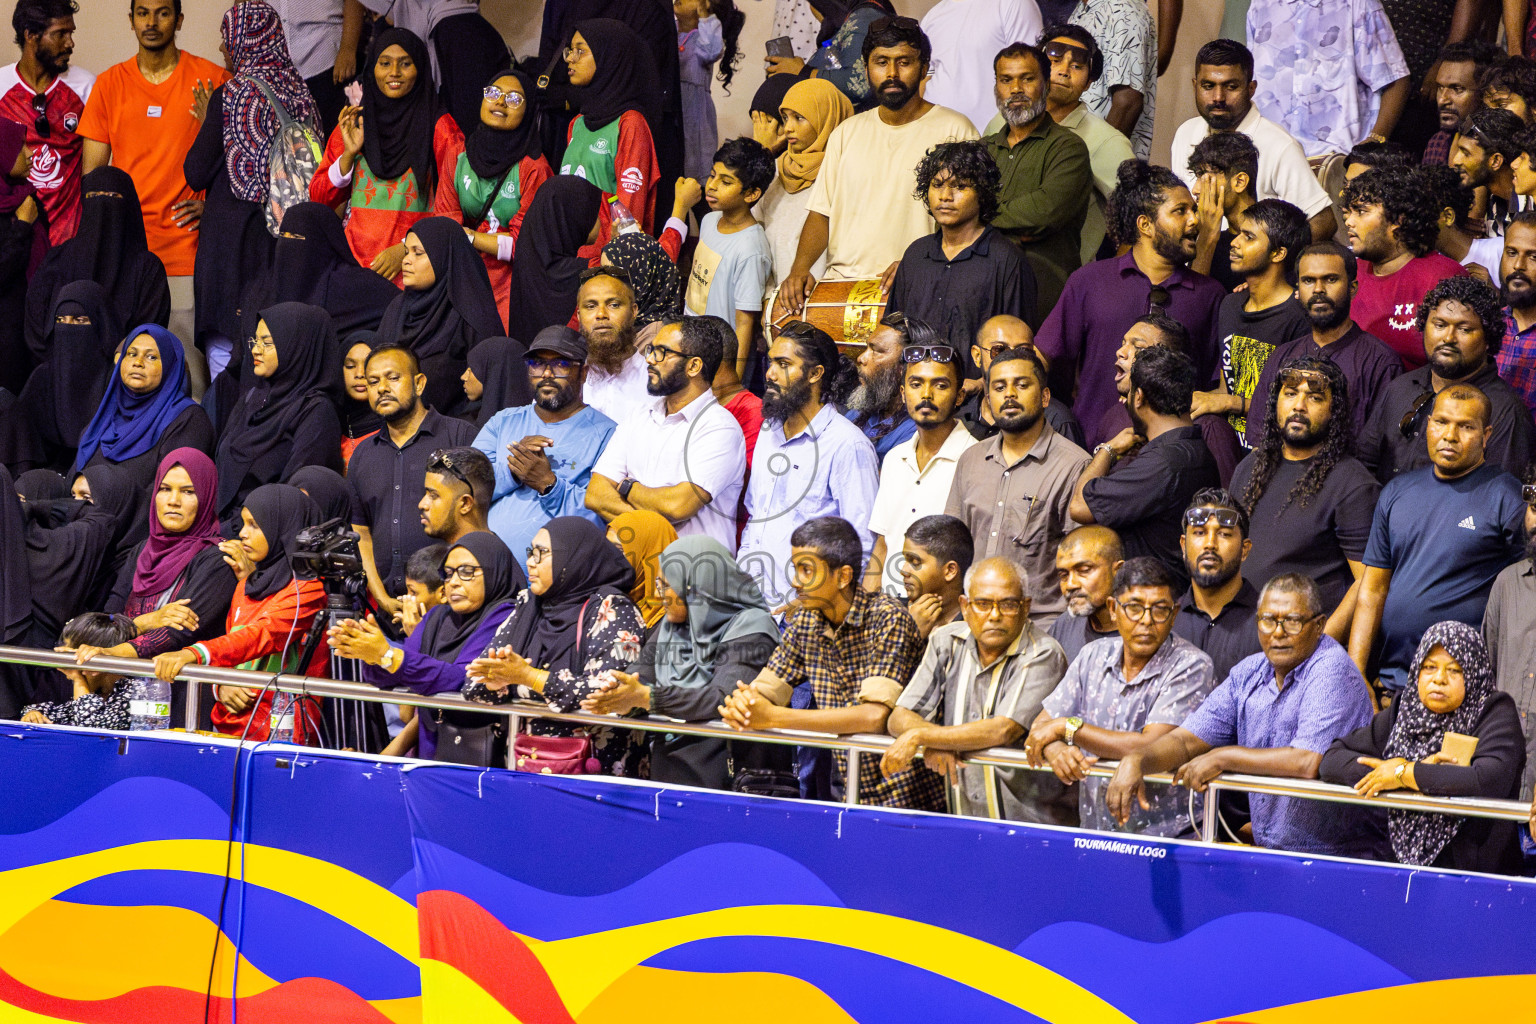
984,675
1086,562
995,335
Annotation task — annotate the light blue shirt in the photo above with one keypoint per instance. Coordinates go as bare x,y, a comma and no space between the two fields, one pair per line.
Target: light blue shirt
828,469
518,512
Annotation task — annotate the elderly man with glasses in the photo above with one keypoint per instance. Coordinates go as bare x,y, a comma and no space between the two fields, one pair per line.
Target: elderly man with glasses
543,452
1120,693
682,454
1276,714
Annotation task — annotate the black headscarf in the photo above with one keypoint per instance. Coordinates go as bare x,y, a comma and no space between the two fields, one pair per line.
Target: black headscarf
444,634
398,134
326,488
357,418
281,511
79,361
835,12
76,559
263,421
311,262
625,77
546,270
543,628
15,571
492,152
770,95
502,369
457,311
42,485
109,245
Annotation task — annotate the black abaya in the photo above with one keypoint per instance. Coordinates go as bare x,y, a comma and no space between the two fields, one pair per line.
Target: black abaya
312,262
469,50
547,267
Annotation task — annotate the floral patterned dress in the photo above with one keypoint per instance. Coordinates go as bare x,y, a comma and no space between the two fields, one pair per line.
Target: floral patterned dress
612,633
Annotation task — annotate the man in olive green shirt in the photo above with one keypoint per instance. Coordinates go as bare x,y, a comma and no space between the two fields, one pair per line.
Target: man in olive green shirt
1046,174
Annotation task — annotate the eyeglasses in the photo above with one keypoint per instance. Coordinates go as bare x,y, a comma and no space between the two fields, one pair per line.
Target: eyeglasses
557,367
40,115
928,354
1136,611
985,606
1226,518
1413,419
576,52
1290,625
507,96
257,345
463,572
537,553
441,460
655,353
1528,494
1158,300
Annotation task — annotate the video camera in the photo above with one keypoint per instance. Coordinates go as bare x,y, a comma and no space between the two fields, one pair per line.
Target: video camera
329,553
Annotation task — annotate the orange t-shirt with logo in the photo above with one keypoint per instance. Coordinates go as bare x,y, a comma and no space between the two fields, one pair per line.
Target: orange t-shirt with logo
150,128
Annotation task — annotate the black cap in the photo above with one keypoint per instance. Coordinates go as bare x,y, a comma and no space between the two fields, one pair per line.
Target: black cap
562,341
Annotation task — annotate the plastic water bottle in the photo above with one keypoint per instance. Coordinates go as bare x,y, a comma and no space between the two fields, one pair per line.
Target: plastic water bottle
149,705
623,221
282,718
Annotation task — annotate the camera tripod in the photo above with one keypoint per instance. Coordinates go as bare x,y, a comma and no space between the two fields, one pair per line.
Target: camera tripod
344,724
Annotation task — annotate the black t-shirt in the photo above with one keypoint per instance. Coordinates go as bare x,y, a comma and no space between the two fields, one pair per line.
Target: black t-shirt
1221,265
1074,633
1318,539
1247,339
1143,499
1228,638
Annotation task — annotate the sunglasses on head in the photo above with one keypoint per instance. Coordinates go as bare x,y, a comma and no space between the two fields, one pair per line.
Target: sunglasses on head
928,354
440,461
604,271
1314,379
1225,518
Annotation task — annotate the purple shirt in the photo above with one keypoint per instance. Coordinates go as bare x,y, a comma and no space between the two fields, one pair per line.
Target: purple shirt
1367,362
1324,698
1100,303
1517,359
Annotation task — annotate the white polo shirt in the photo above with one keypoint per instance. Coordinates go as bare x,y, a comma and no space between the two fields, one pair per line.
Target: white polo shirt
618,395
907,494
1283,169
700,444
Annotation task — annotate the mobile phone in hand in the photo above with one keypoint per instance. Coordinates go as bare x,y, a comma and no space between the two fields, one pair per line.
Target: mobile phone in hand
780,47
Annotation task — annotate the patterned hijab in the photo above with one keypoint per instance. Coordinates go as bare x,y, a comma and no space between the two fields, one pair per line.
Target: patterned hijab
824,105
258,51
652,276
1418,838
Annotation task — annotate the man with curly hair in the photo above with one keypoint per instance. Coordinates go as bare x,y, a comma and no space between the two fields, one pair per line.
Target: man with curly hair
1393,219
966,272
1308,499
1462,323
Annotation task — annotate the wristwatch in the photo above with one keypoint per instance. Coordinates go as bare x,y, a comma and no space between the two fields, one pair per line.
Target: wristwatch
390,656
624,489
1398,775
1073,724
1103,446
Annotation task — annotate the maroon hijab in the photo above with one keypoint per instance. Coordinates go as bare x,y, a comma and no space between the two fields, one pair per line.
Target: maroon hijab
165,555
13,136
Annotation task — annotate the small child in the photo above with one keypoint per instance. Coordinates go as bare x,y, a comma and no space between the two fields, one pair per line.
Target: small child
101,698
733,259
707,31
423,585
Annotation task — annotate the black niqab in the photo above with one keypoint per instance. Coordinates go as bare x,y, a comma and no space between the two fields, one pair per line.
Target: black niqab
42,485
493,152
501,366
79,361
398,134
280,511
444,634
15,572
263,421
546,269
312,262
625,77
543,628
74,563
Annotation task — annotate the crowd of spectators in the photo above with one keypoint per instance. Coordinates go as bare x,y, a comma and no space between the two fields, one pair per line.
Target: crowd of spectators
1218,466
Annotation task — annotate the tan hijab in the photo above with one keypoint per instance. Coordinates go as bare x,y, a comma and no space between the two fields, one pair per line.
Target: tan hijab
824,105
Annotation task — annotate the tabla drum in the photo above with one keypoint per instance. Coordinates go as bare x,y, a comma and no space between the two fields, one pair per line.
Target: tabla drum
849,311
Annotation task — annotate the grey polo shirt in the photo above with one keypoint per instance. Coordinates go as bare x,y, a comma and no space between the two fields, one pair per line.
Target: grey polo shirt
1509,627
951,686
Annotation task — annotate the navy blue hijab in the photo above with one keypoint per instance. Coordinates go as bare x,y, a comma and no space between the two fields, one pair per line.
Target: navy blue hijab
126,424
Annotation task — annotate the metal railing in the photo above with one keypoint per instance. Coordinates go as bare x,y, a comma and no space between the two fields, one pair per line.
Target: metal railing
854,746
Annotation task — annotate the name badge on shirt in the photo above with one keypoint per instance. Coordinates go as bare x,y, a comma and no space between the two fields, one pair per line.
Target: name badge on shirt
154,111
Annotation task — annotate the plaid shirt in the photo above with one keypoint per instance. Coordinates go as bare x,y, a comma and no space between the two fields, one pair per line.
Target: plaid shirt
1437,150
867,659
1517,359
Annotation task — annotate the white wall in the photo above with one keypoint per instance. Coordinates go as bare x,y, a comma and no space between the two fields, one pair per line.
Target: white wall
103,38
